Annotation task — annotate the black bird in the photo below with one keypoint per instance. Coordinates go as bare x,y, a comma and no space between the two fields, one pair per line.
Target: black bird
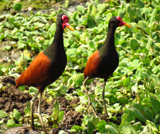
105,60
47,66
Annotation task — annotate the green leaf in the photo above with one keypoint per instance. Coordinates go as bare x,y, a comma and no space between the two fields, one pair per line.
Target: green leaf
21,45
122,99
138,36
78,80
150,42
52,28
76,34
149,85
91,8
101,126
21,88
28,108
2,36
60,117
17,7
16,114
137,126
33,90
139,115
155,105
134,63
157,46
139,3
91,44
80,108
11,123
155,78
157,119
56,110
128,115
66,3
152,127
148,113
91,21
138,74
3,114
131,12
71,52
7,47
154,26
127,82
134,44
80,8
111,129
153,16
103,8
19,34
124,62
98,90
143,24
138,106
76,128
64,89
126,128
90,127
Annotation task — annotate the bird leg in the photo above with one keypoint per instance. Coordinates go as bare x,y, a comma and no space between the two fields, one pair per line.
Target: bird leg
103,96
89,100
32,110
39,113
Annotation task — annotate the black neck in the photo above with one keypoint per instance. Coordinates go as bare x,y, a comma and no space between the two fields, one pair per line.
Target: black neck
109,42
57,44
58,38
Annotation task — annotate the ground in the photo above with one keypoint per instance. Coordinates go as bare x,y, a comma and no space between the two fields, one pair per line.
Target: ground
12,98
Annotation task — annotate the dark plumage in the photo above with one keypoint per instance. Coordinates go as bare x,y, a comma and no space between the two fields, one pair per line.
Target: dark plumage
104,61
47,66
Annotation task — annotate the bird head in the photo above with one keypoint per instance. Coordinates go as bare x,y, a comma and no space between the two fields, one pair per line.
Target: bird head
121,23
64,19
117,22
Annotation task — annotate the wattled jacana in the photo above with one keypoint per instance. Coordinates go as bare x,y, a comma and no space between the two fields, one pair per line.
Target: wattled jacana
47,66
104,61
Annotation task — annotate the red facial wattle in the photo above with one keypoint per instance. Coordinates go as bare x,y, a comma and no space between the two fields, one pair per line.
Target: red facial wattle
121,23
65,23
65,20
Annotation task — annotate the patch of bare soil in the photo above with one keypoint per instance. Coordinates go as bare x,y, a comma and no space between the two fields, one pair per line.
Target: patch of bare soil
12,98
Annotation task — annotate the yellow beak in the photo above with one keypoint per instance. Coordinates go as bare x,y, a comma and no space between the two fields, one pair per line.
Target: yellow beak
127,25
69,27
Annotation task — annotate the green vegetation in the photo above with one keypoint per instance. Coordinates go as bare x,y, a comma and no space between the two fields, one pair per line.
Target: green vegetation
10,5
132,93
